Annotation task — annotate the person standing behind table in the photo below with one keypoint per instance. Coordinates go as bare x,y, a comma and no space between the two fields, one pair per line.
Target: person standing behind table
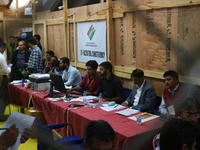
71,76
20,61
4,70
11,46
35,59
143,95
111,86
38,38
91,81
173,92
47,67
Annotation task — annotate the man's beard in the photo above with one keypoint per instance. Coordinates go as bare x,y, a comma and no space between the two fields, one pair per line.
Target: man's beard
103,74
62,68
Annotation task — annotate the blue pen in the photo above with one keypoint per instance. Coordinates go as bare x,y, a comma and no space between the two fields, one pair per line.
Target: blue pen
115,106
3,128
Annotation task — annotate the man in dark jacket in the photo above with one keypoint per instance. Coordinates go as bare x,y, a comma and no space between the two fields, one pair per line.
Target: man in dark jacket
19,60
143,95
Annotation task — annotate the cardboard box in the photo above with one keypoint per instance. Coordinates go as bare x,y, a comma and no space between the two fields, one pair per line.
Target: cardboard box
37,114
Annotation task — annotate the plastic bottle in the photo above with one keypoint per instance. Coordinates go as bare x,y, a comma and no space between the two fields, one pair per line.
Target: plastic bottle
100,103
35,86
139,119
84,98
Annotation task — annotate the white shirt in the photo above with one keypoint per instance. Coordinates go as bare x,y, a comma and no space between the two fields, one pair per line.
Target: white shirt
137,95
4,69
163,107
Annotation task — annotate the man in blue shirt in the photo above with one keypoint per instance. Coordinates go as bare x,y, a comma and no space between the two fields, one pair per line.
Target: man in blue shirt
71,76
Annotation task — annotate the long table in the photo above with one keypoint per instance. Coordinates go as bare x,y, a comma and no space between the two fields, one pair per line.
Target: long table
128,134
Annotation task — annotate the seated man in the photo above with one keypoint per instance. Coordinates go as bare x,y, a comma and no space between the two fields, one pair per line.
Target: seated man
49,55
99,135
111,86
177,134
143,95
71,76
91,81
173,93
9,137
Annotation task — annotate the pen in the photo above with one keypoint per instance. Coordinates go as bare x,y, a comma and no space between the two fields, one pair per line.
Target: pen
115,106
3,128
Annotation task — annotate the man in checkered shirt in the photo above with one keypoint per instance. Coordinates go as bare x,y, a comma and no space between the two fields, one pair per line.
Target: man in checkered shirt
35,59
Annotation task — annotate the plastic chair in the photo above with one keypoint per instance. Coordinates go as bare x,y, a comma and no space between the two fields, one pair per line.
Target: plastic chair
126,92
155,143
46,139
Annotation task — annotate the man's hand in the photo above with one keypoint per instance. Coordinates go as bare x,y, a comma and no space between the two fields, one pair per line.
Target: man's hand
124,104
25,136
9,137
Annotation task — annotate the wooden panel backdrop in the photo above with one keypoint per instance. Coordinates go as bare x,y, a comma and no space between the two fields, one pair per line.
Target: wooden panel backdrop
154,40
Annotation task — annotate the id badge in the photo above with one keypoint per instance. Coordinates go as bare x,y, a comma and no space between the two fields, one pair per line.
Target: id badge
171,110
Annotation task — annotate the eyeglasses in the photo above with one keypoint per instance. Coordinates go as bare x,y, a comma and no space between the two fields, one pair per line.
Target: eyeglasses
189,115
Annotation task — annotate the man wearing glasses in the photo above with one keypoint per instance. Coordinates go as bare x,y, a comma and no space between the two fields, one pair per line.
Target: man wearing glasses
143,95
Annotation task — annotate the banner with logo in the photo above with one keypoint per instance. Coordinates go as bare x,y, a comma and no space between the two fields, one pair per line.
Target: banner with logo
92,41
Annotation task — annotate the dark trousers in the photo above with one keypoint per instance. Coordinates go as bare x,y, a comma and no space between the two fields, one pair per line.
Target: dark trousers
3,98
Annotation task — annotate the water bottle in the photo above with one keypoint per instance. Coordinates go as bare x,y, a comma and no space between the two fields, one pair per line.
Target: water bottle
139,119
35,86
100,103
84,98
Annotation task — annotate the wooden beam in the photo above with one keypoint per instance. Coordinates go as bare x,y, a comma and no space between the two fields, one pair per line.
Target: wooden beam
154,6
45,36
39,21
65,13
110,32
55,21
101,15
33,9
17,19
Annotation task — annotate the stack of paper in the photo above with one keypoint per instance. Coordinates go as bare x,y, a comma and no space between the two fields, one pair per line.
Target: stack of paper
145,117
111,108
21,121
127,112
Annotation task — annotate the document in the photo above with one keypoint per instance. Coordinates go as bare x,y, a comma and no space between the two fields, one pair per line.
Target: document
88,97
21,121
111,108
16,82
127,112
145,117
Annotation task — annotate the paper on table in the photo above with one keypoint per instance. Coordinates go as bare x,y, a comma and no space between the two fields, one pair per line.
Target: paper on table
68,87
56,99
21,121
127,112
88,97
145,117
111,108
15,82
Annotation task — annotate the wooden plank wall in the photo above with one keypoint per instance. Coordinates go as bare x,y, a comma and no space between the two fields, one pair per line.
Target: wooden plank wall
14,27
151,34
